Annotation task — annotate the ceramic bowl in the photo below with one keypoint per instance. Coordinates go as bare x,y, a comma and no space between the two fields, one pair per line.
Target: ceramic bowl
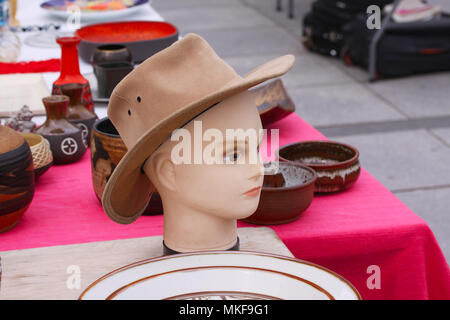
111,53
221,275
142,38
285,195
40,149
107,148
336,164
16,177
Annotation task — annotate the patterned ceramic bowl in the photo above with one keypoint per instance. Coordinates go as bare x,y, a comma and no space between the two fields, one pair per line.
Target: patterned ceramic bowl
336,164
16,177
285,195
40,149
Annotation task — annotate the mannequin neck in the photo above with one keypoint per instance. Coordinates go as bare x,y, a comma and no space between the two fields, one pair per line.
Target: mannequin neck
188,230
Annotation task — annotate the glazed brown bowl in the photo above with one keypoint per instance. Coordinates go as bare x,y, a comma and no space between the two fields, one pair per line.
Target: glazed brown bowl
336,164
285,195
107,148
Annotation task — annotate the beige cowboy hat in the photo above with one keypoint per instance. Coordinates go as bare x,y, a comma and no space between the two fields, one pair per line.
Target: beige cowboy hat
164,93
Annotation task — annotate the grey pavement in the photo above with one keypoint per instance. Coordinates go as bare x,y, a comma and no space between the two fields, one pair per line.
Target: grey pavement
401,126
444,134
341,104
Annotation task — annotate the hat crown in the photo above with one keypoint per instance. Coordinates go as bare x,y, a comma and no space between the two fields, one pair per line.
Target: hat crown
181,74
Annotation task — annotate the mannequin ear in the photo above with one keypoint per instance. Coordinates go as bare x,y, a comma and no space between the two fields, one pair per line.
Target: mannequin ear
163,169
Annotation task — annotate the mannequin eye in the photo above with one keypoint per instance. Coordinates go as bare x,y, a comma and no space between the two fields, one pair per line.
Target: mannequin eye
232,157
138,99
129,112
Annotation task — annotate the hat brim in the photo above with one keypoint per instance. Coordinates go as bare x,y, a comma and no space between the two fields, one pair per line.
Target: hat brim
128,190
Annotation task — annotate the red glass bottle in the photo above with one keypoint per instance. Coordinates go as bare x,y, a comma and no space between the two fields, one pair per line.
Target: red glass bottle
70,70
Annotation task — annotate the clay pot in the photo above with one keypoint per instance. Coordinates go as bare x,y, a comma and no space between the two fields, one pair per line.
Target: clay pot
107,149
16,177
77,114
66,140
285,195
336,164
41,152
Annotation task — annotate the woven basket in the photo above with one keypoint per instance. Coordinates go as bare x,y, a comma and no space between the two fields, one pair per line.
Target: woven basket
40,149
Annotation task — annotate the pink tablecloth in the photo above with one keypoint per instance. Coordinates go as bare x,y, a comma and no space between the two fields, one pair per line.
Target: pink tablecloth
346,232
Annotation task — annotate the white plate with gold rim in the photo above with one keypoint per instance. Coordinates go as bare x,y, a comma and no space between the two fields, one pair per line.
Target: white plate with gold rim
221,275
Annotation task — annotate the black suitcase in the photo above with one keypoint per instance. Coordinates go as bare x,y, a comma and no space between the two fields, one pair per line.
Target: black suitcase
322,26
320,37
403,49
355,6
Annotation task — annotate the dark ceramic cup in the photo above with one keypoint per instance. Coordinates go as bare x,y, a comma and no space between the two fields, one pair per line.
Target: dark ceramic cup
107,149
109,74
111,53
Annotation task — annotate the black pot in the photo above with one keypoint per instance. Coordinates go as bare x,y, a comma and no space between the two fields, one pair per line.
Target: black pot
16,183
109,74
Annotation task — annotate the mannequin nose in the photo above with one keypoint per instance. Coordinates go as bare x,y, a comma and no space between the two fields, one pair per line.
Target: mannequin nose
257,171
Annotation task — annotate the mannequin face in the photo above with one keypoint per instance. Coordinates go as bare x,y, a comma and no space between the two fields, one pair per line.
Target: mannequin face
227,190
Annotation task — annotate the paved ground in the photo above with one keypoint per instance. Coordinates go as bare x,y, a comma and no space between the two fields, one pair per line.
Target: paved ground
401,126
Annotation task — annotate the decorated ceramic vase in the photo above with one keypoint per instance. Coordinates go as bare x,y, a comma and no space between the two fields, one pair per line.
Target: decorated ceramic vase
70,70
16,177
77,114
107,148
66,139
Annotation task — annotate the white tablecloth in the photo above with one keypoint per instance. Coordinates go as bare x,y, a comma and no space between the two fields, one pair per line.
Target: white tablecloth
30,13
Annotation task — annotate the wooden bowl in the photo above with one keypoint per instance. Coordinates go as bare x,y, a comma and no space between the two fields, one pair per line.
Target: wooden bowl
142,38
40,149
16,177
336,164
107,149
285,195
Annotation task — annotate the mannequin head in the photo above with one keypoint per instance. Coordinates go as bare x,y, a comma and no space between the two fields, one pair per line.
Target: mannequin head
202,200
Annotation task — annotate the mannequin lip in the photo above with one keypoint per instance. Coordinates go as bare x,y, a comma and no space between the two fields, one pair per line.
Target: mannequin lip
252,192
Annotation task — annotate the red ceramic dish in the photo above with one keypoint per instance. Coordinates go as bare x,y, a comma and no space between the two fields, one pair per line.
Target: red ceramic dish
143,38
